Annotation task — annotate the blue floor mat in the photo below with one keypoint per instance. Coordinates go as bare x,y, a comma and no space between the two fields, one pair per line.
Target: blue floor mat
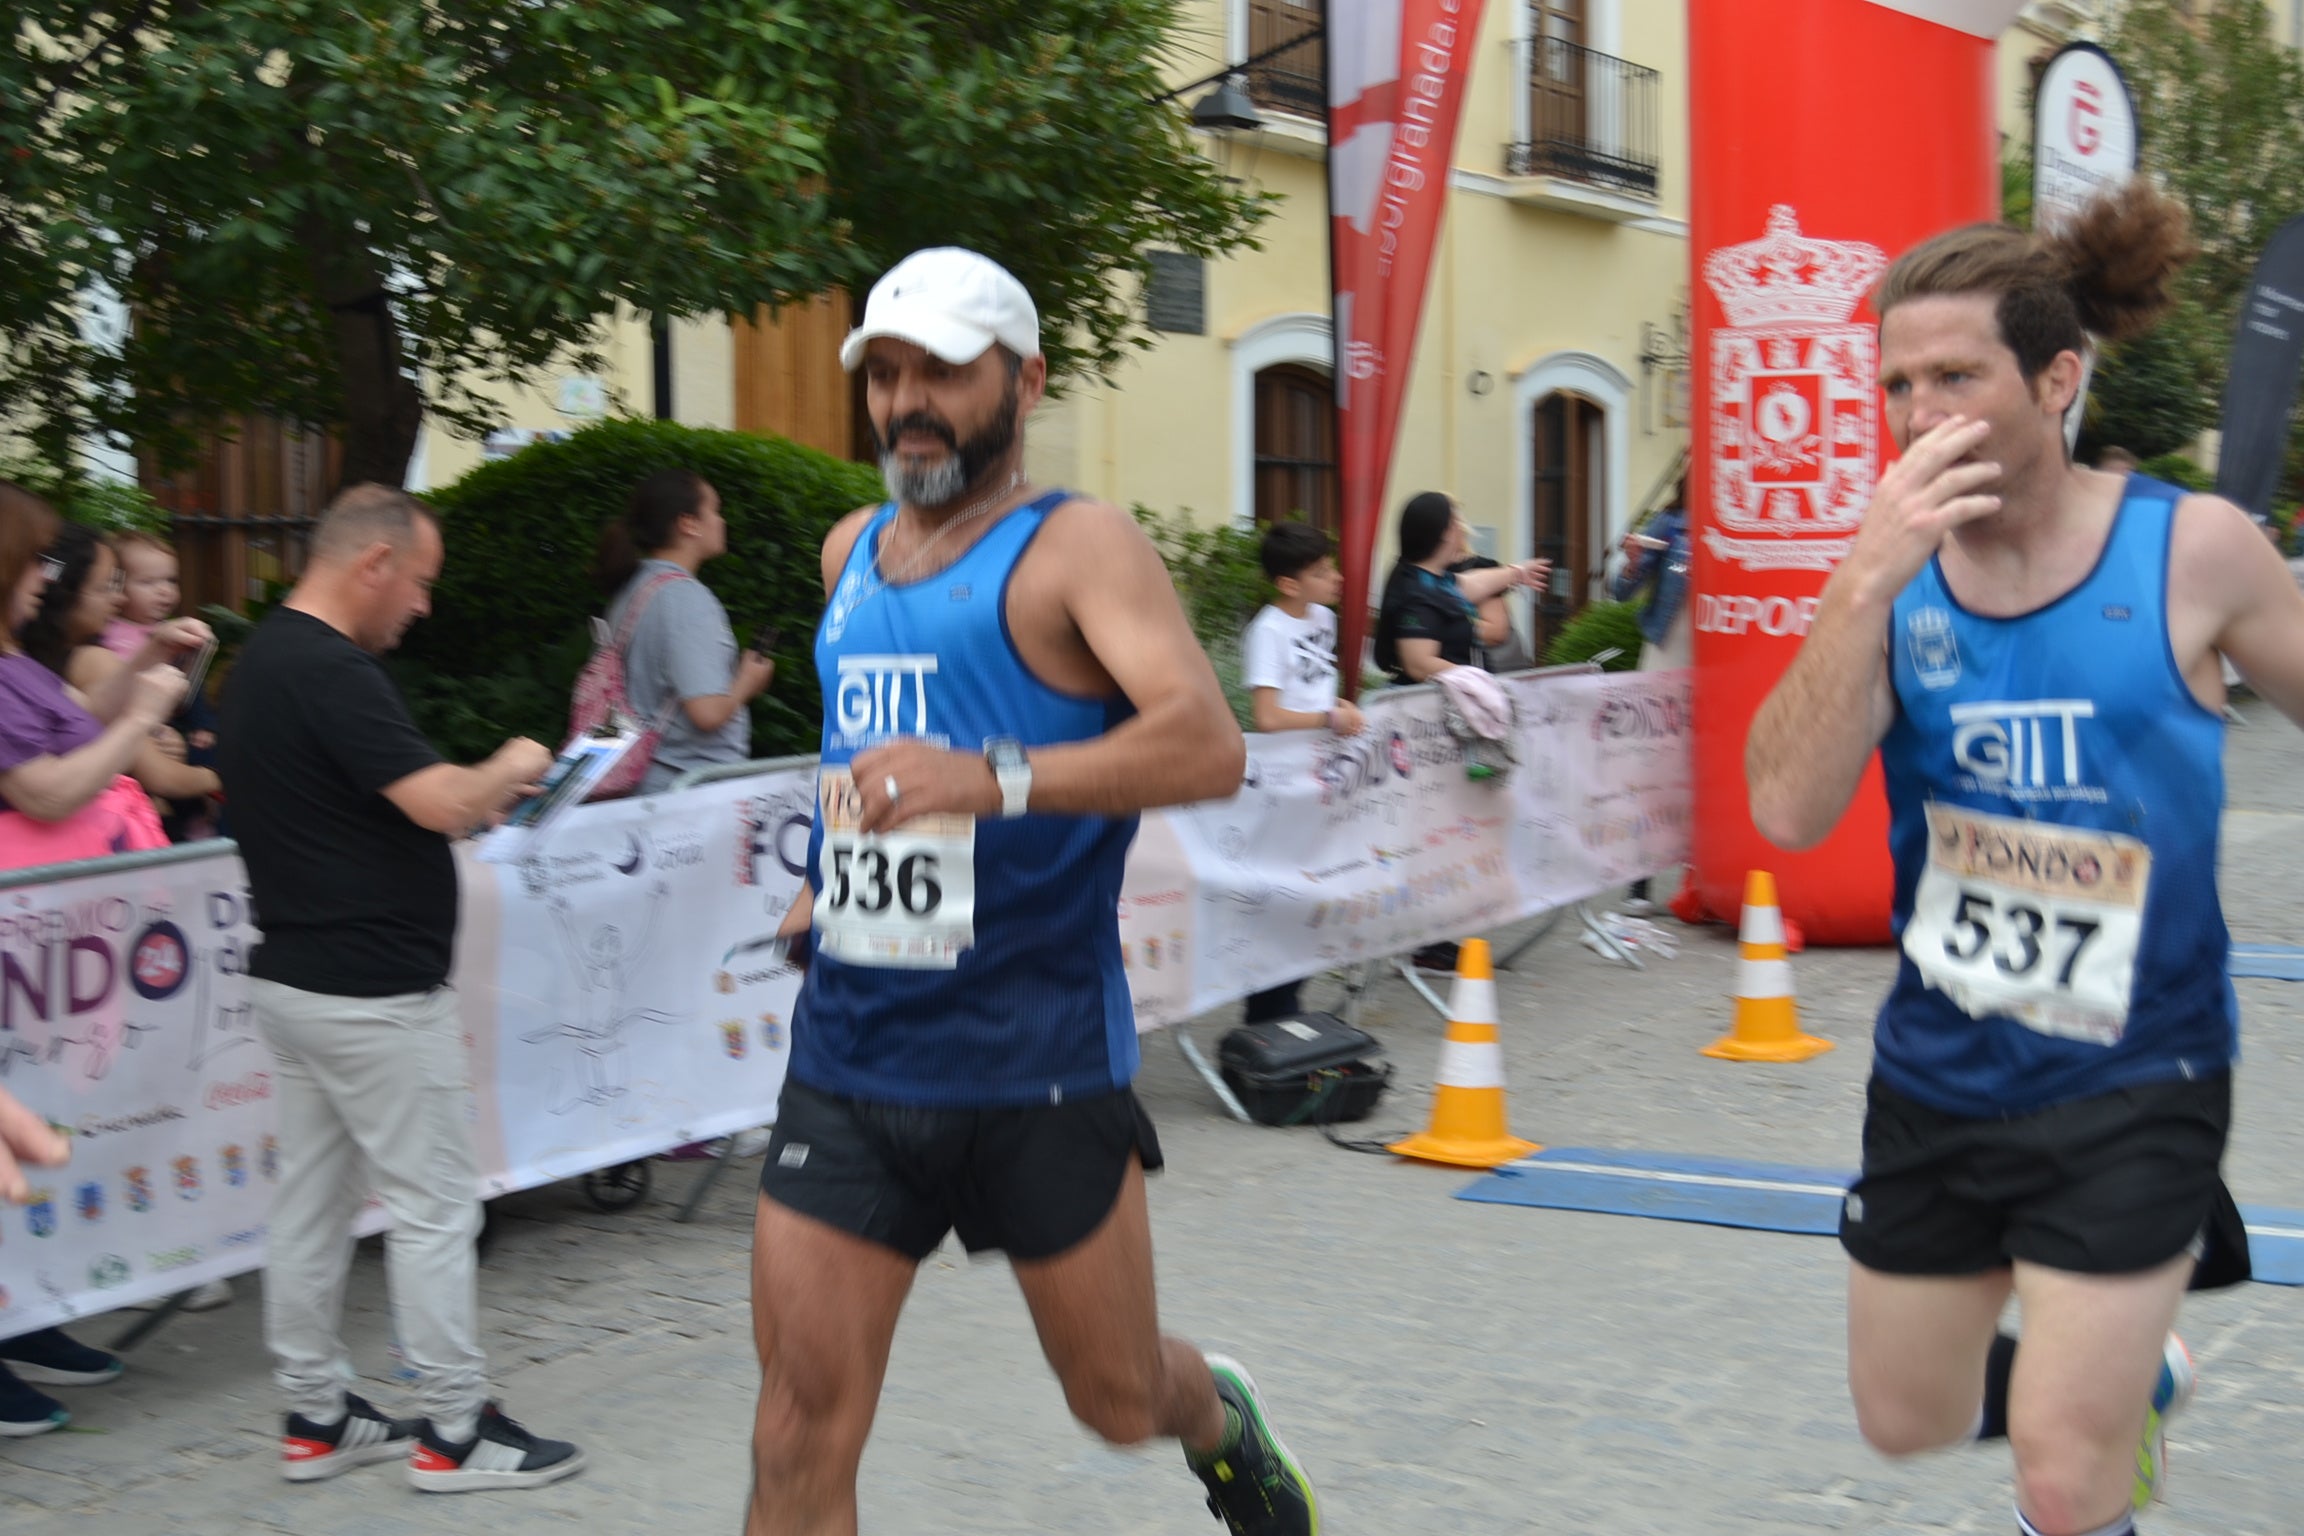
2272,962
1764,1197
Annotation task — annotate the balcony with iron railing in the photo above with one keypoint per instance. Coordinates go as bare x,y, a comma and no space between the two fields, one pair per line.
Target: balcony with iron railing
1591,119
1287,66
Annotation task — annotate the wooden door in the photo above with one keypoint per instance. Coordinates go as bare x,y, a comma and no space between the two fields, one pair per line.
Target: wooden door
1296,447
1570,503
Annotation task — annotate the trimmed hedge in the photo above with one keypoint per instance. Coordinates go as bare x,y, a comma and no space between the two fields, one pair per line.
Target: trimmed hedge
1600,627
508,631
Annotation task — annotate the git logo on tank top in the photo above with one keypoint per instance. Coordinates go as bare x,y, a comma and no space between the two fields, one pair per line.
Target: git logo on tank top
2026,749
878,697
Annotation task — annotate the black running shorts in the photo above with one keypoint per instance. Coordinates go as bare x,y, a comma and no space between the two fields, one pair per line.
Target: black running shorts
2109,1185
1032,1181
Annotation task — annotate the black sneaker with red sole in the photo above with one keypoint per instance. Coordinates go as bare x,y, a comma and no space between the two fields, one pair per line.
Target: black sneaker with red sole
501,1454
310,1450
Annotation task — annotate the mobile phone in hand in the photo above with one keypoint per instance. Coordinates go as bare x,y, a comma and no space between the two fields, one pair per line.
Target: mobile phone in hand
196,668
764,639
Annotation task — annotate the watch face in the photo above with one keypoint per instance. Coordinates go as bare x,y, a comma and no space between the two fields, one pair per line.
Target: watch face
1006,754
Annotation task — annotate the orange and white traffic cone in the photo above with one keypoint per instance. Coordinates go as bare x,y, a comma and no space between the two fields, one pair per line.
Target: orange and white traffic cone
1767,1019
1468,1128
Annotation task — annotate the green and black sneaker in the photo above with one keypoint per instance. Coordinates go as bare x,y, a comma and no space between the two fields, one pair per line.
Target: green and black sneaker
1254,1486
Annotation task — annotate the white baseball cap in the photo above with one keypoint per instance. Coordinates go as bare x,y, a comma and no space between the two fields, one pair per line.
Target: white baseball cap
953,302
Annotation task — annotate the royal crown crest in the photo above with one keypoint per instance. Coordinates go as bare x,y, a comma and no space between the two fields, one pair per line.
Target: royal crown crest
1795,397
1785,278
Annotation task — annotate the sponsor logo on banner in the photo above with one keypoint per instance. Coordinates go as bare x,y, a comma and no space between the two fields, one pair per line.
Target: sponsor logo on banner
160,962
108,1272
139,1186
187,1177
40,1213
732,1038
268,1157
2083,133
89,1200
235,1165
174,1258
1795,397
252,1089
92,1126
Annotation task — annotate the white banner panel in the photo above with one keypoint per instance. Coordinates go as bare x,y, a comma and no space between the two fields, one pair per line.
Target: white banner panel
617,993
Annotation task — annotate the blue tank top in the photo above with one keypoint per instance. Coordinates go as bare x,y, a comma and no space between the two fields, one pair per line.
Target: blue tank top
1034,1006
2054,790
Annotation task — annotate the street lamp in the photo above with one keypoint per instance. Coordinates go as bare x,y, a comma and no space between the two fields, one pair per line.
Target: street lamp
1227,112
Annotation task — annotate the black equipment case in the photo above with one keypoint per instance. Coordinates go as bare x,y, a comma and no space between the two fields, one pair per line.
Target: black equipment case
1309,1069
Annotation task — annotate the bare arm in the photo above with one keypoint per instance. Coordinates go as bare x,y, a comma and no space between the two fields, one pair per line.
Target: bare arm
709,713
1182,744
1495,625
2254,613
1265,703
51,788
1816,730
451,800
107,691
1421,660
1496,580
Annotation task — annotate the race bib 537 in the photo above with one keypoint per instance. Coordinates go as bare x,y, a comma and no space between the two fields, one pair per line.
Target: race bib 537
2037,922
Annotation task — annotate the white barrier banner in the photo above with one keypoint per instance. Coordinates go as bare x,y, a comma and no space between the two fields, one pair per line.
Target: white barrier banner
1337,850
615,986
124,1019
617,996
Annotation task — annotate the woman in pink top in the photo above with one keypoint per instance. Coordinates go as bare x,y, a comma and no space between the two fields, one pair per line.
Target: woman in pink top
64,758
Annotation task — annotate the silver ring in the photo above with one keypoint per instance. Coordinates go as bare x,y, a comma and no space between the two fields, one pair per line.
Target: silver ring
895,791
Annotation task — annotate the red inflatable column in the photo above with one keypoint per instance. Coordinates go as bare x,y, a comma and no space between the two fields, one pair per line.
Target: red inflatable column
1827,136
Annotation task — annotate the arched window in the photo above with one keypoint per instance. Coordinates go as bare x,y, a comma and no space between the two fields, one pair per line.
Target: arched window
1295,468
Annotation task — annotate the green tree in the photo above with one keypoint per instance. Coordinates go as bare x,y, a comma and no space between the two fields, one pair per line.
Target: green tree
2220,107
349,212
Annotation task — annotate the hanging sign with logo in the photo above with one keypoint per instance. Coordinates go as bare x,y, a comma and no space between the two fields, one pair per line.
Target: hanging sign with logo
1396,75
2083,145
2083,133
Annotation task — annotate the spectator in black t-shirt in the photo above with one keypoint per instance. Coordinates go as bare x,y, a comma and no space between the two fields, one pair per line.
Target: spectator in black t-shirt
343,813
1429,618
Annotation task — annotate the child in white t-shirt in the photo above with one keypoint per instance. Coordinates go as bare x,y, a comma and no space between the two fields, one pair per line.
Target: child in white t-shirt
1288,661
1288,655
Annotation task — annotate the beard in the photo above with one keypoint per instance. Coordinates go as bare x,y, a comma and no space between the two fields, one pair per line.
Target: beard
945,480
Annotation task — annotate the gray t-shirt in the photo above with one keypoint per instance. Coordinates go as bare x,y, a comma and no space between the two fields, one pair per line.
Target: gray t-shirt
682,648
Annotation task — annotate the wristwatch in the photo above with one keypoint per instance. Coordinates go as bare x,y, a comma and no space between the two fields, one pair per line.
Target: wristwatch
1013,770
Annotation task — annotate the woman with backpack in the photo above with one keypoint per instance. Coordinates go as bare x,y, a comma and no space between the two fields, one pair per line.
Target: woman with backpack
682,674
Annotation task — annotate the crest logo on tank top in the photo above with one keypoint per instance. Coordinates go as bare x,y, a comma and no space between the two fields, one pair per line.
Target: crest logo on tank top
1795,397
1934,649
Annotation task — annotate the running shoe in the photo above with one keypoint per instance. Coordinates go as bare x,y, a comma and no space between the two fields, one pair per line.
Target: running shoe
500,1454
2170,1395
310,1450
1254,1485
1440,957
26,1410
49,1358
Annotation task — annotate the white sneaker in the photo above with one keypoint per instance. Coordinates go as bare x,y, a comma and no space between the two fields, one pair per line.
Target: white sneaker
204,1298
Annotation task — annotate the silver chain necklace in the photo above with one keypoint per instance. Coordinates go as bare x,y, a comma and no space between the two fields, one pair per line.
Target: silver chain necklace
919,557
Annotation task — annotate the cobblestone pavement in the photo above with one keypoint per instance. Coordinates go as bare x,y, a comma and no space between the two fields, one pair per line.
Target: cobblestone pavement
1442,1366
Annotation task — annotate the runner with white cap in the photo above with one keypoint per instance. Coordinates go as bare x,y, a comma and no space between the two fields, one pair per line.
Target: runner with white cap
1008,680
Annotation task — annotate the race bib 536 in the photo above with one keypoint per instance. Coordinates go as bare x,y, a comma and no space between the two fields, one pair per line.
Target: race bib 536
905,898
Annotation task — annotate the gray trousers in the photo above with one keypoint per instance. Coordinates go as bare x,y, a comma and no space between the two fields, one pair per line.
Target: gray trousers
375,1092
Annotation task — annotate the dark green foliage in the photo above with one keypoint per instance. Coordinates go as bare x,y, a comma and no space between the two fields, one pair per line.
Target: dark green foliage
311,204
1221,583
1600,627
508,630
2176,469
